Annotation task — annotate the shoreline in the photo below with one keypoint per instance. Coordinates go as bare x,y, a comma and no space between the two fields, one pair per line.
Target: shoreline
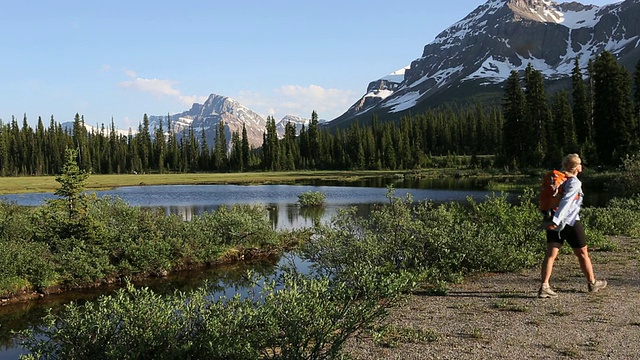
235,257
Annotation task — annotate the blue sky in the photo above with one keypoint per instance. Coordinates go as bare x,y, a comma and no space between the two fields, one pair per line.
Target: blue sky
121,59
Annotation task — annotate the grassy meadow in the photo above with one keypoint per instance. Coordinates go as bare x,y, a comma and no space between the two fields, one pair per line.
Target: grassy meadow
26,184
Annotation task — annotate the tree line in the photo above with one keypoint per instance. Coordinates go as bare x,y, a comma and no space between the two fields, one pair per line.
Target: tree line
598,118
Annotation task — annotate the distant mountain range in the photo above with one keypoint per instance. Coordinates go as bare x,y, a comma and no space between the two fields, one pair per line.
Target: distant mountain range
466,63
207,117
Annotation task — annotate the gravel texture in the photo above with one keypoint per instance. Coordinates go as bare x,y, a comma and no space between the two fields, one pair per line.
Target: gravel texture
498,316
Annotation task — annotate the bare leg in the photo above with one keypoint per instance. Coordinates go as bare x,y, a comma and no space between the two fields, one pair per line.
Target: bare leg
585,263
549,258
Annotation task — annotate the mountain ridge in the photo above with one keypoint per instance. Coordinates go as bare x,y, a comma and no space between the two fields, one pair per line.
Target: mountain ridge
499,36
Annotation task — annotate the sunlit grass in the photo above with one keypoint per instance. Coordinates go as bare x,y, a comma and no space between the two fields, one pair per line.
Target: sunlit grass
26,184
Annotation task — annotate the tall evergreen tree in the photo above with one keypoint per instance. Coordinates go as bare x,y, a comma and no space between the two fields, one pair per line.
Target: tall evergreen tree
4,149
613,115
246,149
314,140
72,183
581,109
221,148
160,149
537,117
80,142
205,154
563,139
513,129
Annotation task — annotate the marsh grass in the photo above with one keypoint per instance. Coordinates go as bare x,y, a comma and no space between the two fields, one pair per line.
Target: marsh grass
26,184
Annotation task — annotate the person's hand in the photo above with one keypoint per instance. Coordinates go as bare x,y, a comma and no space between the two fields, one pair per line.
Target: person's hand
552,226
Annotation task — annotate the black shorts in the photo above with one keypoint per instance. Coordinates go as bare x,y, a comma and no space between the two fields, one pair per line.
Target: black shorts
574,235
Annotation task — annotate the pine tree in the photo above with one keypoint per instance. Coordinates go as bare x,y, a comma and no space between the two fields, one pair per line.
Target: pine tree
581,110
221,148
72,183
245,149
613,115
562,140
160,149
536,117
4,149
314,140
80,142
513,129
205,154
235,158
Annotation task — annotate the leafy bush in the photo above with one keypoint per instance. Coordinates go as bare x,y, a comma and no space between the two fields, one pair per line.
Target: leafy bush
631,174
433,243
310,198
620,217
44,246
293,317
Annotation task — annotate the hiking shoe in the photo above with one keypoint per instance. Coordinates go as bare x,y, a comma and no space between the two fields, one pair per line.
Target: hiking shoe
546,292
597,285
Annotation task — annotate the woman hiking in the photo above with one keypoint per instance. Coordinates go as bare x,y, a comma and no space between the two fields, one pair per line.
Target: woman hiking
565,225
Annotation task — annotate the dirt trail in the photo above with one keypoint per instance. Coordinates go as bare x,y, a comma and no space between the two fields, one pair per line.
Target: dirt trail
498,316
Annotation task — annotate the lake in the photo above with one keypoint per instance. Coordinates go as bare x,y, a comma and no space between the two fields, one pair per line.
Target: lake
280,200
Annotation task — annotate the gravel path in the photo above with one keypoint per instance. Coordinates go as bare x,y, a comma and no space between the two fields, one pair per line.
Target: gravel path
498,316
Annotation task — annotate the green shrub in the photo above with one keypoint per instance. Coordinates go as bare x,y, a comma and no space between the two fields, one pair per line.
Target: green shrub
631,174
293,317
620,217
434,243
311,199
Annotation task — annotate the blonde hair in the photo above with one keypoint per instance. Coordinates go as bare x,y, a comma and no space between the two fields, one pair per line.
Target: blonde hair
571,162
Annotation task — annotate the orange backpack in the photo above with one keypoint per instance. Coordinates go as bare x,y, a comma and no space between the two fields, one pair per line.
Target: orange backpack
551,191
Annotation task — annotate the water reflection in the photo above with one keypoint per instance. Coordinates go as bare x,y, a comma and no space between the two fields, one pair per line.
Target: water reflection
188,201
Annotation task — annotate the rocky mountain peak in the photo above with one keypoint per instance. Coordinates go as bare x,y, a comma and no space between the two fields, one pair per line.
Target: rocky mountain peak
476,54
535,10
207,116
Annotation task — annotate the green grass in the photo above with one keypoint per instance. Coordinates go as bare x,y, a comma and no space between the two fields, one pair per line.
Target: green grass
26,184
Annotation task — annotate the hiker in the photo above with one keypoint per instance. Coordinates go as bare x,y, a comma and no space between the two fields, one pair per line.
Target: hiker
565,225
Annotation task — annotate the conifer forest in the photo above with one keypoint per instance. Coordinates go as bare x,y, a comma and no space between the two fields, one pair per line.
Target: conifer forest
598,117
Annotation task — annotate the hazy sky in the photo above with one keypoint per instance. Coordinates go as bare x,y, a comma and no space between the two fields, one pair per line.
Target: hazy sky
121,59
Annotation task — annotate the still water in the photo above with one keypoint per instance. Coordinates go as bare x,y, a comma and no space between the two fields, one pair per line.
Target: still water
280,200
192,200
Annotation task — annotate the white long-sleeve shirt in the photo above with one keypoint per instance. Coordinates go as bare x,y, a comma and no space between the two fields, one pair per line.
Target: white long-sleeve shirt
569,208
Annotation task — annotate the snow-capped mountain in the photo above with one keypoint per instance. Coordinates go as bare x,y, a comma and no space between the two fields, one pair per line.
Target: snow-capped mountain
216,108
477,54
207,116
298,121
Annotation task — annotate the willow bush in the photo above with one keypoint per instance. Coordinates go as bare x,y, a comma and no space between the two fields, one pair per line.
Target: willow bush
311,198
434,243
294,316
43,246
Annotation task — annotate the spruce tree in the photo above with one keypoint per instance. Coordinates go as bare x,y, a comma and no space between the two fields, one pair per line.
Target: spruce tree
563,139
72,183
314,140
581,110
536,117
513,131
245,149
220,148
614,128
